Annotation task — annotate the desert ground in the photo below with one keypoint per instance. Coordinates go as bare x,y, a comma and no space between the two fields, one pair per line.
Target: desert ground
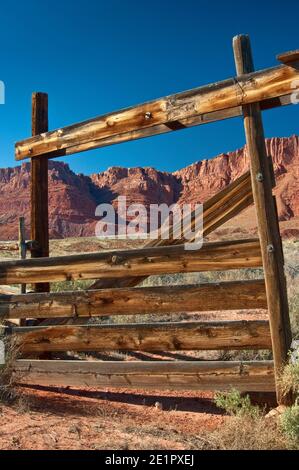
107,419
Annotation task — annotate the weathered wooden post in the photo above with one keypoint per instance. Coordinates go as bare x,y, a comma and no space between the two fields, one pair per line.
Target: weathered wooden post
267,219
39,187
22,246
22,254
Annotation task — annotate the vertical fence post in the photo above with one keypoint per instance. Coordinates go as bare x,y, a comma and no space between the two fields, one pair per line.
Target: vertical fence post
268,227
22,246
39,187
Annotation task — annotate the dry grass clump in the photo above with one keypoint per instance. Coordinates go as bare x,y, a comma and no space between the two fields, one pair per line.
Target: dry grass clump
9,392
249,428
289,422
289,379
249,433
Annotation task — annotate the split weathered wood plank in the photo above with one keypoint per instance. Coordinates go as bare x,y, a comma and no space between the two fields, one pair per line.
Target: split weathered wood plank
183,336
159,300
131,263
159,375
170,112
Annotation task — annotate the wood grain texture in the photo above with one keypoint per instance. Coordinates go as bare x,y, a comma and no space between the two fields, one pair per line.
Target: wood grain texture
267,220
182,375
39,187
169,111
22,246
143,300
204,118
188,336
141,262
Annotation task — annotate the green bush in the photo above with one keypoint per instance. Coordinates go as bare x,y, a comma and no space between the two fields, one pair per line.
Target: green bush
289,422
236,405
289,379
246,433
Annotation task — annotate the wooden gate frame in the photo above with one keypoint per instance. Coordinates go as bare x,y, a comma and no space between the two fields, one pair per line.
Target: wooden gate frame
118,272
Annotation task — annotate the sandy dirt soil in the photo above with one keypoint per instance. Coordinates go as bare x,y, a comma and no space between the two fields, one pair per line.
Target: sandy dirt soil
115,419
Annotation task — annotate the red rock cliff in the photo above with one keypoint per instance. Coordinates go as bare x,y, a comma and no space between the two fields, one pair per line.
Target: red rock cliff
73,198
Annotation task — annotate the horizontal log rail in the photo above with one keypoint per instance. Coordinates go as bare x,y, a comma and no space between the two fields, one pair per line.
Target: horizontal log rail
204,118
234,295
141,262
186,336
182,375
222,99
288,57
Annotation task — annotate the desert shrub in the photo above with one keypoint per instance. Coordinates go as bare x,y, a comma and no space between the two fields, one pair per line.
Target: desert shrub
236,405
249,355
291,253
148,318
248,433
70,285
8,389
203,277
289,379
234,275
248,428
289,422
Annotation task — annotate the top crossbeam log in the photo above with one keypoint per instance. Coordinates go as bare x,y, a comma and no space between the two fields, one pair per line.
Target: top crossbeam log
271,88
289,57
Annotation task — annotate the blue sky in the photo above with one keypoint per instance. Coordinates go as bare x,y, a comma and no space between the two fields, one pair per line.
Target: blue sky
94,57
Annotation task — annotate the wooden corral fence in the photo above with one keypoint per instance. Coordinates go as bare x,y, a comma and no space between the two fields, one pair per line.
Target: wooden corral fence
118,273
